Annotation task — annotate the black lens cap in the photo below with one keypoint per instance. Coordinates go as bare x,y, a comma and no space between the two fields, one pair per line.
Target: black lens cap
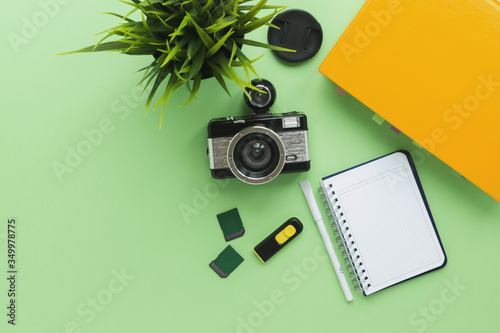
298,30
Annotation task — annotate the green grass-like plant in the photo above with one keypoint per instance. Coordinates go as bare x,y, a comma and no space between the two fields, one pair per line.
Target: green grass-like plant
190,40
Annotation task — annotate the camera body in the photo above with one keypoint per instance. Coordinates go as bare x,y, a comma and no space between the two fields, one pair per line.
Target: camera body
256,148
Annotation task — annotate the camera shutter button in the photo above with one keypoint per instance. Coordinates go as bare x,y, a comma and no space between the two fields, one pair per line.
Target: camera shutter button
290,158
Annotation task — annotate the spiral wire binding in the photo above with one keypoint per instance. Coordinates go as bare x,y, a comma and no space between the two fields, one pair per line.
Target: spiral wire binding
344,238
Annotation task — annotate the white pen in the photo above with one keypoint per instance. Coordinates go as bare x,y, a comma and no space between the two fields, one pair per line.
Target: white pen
313,206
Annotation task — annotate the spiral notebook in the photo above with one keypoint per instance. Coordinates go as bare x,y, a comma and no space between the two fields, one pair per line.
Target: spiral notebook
382,222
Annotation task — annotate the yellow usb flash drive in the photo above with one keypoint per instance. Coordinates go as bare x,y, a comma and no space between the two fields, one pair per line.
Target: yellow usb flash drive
278,239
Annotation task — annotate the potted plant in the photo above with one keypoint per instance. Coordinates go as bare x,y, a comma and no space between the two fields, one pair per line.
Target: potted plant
190,40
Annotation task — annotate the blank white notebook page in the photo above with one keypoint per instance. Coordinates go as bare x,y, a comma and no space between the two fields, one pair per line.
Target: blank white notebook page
388,220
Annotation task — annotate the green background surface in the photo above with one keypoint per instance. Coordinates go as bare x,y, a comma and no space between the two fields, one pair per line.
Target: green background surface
142,201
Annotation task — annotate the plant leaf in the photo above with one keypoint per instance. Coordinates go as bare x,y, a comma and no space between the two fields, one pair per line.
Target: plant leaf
174,51
159,79
242,20
233,52
172,85
255,24
195,89
217,26
193,47
109,46
246,64
263,45
206,7
120,16
178,31
219,44
220,79
206,39
197,63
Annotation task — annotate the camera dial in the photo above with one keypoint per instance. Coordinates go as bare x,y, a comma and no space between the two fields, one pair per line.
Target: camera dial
261,101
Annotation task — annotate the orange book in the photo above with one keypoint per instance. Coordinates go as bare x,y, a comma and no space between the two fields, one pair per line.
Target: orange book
432,69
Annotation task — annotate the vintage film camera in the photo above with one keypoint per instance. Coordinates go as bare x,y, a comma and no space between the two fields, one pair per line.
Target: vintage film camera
258,148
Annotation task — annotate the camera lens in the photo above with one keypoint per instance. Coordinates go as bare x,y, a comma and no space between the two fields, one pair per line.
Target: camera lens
259,99
256,155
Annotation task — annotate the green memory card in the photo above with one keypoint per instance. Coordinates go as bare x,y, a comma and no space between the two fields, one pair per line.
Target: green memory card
231,224
226,262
